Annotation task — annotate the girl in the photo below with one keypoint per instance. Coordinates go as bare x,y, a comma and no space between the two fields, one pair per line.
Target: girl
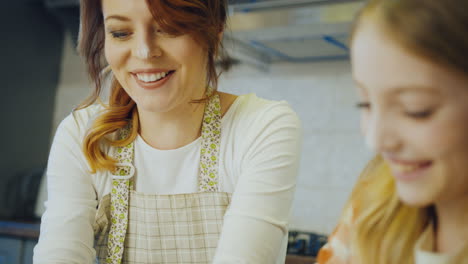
411,203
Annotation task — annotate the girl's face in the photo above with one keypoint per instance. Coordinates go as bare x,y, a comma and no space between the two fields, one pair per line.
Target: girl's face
160,72
415,114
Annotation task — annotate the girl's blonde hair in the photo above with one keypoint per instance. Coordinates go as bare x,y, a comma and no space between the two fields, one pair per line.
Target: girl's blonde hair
385,230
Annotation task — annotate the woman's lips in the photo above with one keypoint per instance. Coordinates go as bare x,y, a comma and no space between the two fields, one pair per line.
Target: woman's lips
151,85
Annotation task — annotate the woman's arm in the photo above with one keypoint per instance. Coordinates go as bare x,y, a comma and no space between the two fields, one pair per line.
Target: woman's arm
256,223
66,229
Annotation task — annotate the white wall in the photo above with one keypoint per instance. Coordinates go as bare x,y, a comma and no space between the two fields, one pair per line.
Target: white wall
333,151
323,96
74,86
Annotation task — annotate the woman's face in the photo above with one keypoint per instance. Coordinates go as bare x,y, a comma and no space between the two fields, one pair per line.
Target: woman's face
415,114
158,71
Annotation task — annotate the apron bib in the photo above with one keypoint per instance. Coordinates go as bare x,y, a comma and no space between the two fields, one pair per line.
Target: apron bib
133,227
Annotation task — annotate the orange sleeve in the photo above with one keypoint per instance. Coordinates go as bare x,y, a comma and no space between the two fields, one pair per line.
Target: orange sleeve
337,251
338,248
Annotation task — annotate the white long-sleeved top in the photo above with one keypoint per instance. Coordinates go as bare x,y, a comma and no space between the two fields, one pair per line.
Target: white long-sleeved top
259,154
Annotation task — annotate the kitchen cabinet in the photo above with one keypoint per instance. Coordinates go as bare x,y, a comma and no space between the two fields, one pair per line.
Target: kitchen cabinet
10,250
17,241
292,259
15,250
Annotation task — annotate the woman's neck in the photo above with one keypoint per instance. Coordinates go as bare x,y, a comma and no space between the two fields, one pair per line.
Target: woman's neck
452,225
173,129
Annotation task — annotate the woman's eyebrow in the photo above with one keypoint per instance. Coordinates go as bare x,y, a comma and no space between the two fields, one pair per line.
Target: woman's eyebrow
121,18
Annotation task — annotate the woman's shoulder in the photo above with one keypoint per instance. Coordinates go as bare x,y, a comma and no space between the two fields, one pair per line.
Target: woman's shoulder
250,108
80,120
254,119
68,144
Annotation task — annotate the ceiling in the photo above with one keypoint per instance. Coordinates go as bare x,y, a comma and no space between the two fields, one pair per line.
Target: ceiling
262,32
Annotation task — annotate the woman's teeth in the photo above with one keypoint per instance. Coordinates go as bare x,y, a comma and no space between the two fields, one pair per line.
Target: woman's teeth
151,77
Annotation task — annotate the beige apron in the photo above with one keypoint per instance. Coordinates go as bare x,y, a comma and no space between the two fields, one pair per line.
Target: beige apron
133,227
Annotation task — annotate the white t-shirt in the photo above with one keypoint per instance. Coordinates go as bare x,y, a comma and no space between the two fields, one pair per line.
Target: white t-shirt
424,250
258,163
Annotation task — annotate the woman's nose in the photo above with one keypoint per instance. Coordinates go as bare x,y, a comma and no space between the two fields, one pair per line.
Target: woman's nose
147,47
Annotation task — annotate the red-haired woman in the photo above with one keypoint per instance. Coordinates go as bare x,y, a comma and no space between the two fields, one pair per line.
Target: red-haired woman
169,170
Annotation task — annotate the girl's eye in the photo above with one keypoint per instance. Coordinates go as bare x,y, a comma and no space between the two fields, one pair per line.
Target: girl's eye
363,105
419,114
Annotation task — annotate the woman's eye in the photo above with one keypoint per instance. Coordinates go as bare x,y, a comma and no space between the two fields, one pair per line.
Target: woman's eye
160,31
163,33
119,34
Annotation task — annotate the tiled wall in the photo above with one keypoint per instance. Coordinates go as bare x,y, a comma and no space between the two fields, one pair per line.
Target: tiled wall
321,93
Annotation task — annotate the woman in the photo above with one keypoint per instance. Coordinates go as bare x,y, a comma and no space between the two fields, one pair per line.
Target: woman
411,203
178,172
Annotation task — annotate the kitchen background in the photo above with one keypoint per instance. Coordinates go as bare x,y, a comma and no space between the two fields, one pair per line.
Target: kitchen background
293,50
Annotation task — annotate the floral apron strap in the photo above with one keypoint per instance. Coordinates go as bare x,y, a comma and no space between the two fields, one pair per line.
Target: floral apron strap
121,185
211,136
